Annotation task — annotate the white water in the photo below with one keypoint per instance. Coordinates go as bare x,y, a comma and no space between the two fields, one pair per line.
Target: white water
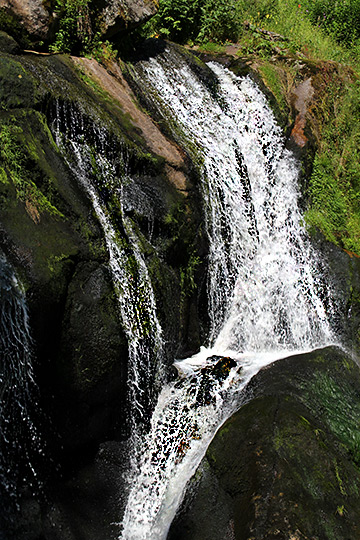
20,440
266,298
129,272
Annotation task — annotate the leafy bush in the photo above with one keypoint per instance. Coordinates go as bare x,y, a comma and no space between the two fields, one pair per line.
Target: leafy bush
177,20
198,20
75,32
220,20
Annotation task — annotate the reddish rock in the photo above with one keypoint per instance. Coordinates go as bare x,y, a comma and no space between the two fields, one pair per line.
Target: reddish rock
302,97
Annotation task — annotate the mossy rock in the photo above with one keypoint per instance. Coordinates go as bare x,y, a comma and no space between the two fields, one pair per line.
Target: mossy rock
17,86
286,464
51,234
8,44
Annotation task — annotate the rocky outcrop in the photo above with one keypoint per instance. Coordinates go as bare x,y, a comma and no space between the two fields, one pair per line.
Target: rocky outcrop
118,15
32,14
41,20
286,465
51,235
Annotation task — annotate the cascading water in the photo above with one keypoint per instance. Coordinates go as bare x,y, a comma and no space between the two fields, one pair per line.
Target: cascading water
20,443
266,297
104,179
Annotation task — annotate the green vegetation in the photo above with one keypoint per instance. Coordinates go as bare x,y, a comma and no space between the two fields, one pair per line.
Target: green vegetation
15,165
334,186
308,35
197,20
75,30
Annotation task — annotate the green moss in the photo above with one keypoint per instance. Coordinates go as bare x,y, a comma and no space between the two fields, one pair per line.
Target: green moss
20,168
340,409
272,75
10,23
17,88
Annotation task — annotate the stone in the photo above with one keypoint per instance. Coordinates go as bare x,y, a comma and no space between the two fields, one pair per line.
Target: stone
125,14
32,14
284,466
8,44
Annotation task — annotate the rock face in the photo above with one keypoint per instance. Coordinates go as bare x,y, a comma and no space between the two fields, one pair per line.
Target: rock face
120,14
51,235
40,20
286,465
32,14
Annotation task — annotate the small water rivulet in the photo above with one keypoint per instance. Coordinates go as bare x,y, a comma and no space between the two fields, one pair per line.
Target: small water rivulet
20,445
267,299
103,175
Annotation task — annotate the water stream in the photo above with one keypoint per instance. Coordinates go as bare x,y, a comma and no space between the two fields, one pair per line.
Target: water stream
20,443
103,176
267,297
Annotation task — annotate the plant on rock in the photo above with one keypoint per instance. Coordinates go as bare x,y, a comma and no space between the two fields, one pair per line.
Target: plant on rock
75,29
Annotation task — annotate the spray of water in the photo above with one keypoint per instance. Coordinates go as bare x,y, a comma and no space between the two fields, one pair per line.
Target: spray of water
104,178
20,443
266,297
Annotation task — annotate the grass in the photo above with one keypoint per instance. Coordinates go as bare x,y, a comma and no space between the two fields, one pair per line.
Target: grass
333,189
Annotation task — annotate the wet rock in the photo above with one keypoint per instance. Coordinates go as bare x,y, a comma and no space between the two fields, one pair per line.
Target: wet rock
344,268
50,233
91,367
211,375
286,465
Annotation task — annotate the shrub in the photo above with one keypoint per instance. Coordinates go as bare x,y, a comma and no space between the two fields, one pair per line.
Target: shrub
220,20
177,20
75,32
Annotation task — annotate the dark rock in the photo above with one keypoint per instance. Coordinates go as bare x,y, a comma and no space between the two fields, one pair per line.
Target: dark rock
50,233
211,375
343,271
90,503
286,465
91,367
8,44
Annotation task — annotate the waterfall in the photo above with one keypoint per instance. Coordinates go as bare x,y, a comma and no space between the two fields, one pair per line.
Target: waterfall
102,170
20,445
267,299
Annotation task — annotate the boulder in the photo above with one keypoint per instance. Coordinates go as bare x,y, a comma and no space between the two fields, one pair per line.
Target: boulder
286,465
118,15
40,20
8,44
32,14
